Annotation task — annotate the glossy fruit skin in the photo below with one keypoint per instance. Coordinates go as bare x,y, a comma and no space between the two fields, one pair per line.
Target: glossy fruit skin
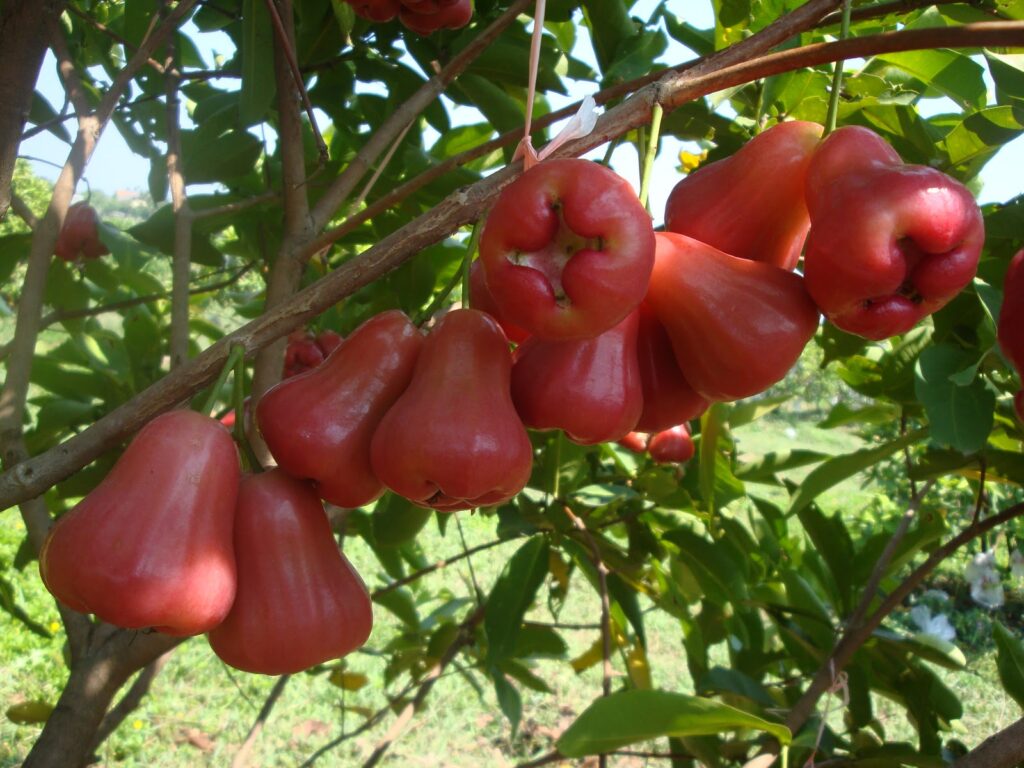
376,10
79,237
590,388
671,446
302,353
318,425
634,441
299,602
668,397
1011,321
568,250
446,16
453,440
889,243
328,341
151,545
736,326
751,204
480,298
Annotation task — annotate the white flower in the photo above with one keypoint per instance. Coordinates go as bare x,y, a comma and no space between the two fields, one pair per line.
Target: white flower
1017,564
936,626
981,565
986,586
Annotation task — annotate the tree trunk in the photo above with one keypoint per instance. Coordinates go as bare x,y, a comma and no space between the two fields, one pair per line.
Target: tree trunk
24,26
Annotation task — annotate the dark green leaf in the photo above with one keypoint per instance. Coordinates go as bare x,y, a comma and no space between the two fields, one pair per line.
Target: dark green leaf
627,717
509,700
258,86
1010,661
960,416
396,520
512,596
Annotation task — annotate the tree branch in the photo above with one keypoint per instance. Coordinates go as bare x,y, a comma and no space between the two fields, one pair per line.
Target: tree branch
182,260
417,575
398,121
460,208
21,209
131,699
241,758
464,638
23,35
856,636
1001,750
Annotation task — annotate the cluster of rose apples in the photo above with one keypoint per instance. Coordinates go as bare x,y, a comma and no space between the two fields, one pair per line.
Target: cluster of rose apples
618,330
1011,322
423,17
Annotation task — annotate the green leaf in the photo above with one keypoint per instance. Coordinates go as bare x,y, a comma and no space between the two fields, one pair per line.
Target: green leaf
960,416
509,700
627,717
765,468
835,471
597,496
951,73
512,596
975,140
719,575
539,642
258,86
752,410
216,158
401,604
396,520
1010,662
13,248
610,26
833,542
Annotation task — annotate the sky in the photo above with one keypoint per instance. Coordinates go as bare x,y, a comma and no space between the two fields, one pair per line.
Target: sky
115,167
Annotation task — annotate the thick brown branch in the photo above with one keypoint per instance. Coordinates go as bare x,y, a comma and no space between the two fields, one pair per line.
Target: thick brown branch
23,36
857,636
1001,750
460,208
398,121
131,700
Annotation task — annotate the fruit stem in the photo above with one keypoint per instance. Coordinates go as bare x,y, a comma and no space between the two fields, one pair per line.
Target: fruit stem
837,75
237,353
467,262
652,152
240,435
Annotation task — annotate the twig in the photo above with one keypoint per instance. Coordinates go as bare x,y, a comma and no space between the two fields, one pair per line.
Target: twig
856,636
21,209
68,72
464,638
236,207
406,114
980,503
241,758
548,759
182,260
907,463
460,208
60,315
103,28
469,561
606,628
415,576
878,573
285,40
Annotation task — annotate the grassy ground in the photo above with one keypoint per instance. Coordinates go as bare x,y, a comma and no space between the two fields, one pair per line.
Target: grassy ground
200,711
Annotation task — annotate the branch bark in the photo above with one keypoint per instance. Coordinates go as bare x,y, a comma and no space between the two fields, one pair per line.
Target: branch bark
1001,750
23,36
131,699
462,207
182,261
856,636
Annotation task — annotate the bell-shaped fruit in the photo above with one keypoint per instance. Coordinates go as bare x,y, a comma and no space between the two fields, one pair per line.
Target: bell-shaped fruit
318,425
480,298
445,16
668,397
453,440
889,243
671,446
1011,321
299,601
151,545
590,388
79,236
634,441
568,250
376,10
736,326
751,204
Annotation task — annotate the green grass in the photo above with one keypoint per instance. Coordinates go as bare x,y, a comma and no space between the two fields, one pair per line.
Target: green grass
199,711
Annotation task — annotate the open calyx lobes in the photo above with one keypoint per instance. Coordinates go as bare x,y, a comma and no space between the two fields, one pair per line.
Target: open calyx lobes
889,243
567,250
151,545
